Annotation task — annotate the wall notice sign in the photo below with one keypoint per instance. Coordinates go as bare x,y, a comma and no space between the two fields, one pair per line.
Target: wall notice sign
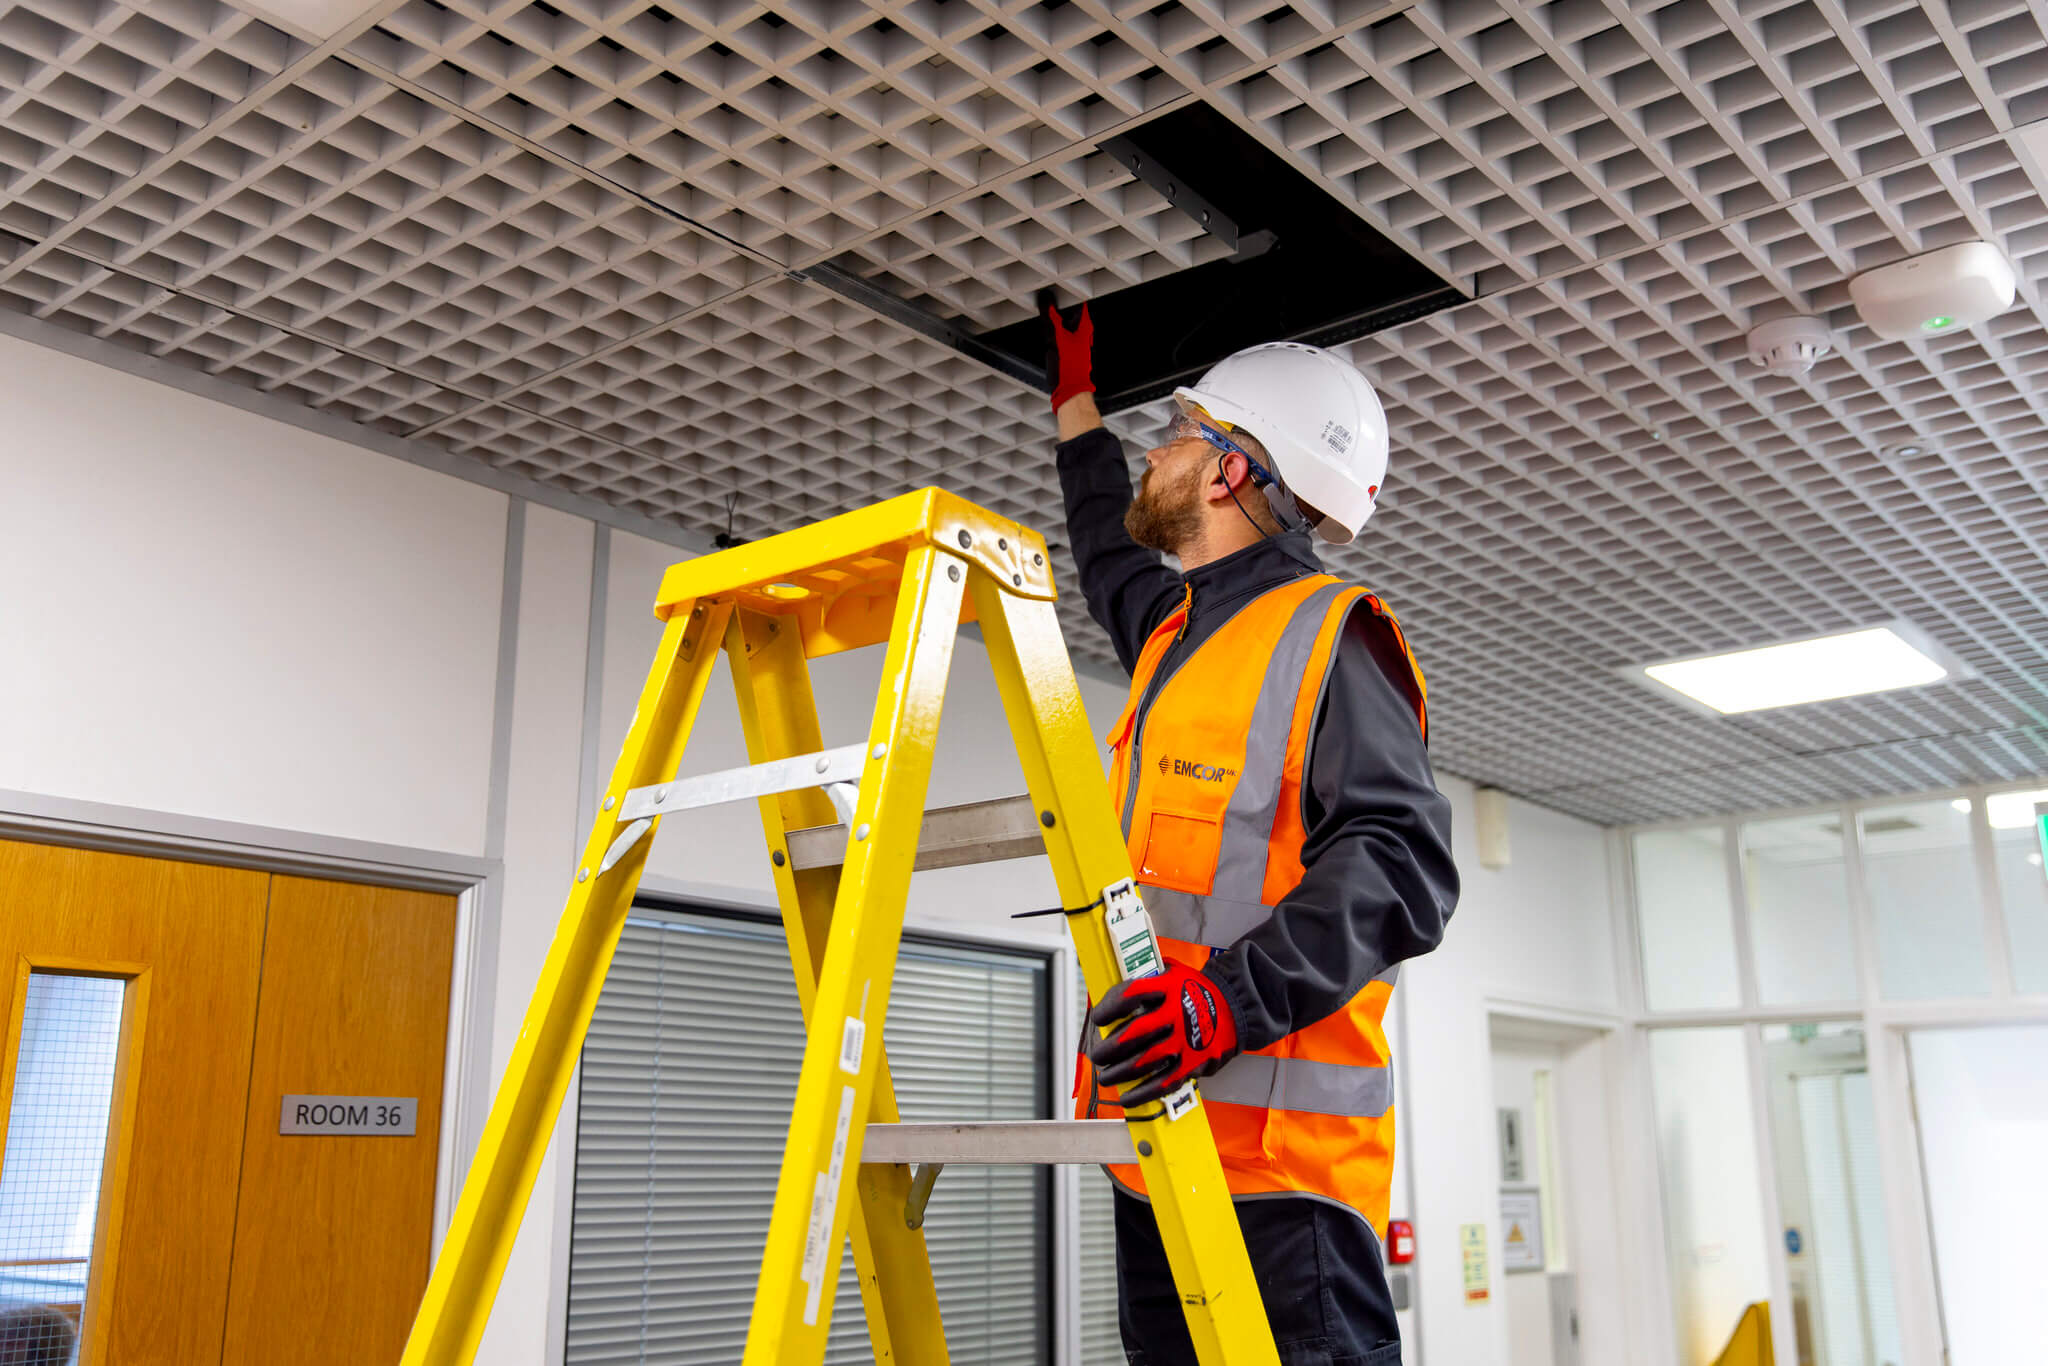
1511,1167
379,1116
1472,1245
1521,1238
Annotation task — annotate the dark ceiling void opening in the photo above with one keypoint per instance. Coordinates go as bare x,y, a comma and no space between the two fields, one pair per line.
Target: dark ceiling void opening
1305,267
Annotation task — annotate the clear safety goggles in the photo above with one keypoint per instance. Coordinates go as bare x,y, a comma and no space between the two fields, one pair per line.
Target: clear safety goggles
1196,425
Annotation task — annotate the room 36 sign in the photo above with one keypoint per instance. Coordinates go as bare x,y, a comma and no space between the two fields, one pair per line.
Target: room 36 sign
373,1116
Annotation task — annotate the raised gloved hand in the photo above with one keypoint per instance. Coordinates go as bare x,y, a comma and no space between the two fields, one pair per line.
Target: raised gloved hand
1070,355
1163,1029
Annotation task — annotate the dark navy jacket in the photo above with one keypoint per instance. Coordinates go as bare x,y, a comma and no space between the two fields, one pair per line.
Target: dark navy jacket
1380,883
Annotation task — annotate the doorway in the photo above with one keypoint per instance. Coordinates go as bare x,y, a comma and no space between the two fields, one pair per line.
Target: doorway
1556,1192
221,1095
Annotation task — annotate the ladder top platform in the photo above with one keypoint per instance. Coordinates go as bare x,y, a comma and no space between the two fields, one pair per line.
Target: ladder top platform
839,577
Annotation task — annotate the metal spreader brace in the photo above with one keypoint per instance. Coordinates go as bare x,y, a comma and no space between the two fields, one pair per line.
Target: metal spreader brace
843,829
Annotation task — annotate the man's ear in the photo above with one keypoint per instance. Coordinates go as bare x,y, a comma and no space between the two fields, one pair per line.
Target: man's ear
1234,472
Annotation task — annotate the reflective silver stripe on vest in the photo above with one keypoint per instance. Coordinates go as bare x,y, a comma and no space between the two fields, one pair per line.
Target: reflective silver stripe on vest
1247,835
1302,1084
1215,922
1196,919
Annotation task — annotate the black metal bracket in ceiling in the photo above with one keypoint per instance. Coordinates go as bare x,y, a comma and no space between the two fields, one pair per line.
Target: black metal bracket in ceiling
1302,267
1175,189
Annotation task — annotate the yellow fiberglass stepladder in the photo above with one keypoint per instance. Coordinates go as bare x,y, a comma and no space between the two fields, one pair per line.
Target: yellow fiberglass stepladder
843,829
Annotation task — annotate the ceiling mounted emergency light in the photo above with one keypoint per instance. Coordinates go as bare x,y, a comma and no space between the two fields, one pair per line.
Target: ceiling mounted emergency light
1937,292
1848,664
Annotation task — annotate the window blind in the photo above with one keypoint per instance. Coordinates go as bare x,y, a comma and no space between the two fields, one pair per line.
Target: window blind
1102,1342
688,1075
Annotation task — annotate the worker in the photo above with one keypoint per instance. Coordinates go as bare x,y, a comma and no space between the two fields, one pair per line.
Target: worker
1286,830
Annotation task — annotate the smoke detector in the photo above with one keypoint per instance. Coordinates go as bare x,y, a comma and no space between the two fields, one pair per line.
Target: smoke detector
1789,346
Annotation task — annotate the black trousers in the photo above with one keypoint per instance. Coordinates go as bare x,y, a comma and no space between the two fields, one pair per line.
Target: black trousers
1318,1268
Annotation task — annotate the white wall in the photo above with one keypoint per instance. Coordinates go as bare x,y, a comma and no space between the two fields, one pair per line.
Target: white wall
1537,936
205,612
208,613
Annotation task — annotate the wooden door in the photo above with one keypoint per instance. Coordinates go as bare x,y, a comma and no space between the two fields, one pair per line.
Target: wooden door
219,1239
335,1231
188,942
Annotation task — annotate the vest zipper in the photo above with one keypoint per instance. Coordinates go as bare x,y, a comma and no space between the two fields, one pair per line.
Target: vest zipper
1159,677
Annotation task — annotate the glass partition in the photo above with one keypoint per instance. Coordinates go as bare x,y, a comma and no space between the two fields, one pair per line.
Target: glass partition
2022,885
1922,874
1830,1197
1796,877
1982,1100
1688,925
1713,1203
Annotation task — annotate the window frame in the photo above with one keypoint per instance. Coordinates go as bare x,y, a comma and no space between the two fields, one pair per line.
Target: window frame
1885,1024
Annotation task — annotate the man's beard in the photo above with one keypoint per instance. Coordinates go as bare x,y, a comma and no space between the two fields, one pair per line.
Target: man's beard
1167,513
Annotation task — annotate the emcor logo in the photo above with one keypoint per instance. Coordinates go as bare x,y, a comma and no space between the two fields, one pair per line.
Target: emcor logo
1188,768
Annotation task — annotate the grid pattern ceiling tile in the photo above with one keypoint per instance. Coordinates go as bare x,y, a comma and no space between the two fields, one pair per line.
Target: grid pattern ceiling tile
556,238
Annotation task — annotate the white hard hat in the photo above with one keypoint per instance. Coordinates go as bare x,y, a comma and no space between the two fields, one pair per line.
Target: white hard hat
1316,416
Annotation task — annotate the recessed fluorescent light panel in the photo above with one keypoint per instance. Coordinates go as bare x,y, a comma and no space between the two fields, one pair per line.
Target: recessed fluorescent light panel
2013,810
1848,664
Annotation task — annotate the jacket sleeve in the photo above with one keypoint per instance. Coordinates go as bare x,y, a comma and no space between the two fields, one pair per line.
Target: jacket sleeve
1128,588
1379,883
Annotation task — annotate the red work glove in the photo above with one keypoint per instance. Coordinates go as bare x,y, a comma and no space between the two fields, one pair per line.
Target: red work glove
1071,356
1163,1029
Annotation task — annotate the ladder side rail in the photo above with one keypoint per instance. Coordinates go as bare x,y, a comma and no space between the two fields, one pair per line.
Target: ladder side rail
821,1161
458,1298
1063,770
779,716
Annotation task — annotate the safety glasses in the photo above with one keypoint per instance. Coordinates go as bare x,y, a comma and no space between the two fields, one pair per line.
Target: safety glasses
1196,425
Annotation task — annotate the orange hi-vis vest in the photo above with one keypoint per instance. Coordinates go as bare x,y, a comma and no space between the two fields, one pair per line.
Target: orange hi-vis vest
1208,782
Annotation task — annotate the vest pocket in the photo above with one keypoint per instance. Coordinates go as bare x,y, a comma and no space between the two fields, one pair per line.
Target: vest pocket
1180,850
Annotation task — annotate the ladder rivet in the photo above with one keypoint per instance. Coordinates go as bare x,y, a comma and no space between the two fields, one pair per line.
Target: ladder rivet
1038,560
965,540
823,763
861,833
953,572
610,802
1002,543
583,875
779,859
1144,1148
879,751
660,795
1017,579
1045,819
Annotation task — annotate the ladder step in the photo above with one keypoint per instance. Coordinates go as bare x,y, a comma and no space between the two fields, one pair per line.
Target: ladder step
1033,1142
978,832
842,765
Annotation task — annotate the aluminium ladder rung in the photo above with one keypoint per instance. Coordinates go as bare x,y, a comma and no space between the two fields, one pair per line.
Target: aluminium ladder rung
822,769
1033,1142
952,836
